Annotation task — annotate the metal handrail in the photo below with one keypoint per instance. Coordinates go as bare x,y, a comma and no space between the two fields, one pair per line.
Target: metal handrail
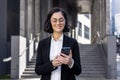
9,58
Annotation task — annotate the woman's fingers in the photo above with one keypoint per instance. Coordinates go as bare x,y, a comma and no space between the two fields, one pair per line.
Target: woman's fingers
64,59
56,62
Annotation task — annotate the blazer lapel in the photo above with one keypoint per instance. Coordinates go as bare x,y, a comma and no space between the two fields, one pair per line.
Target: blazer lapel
65,41
47,48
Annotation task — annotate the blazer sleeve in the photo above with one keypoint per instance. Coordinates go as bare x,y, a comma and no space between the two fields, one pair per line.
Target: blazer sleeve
41,67
76,69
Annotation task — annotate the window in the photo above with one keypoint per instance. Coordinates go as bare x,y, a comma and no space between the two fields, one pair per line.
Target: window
87,15
79,29
86,32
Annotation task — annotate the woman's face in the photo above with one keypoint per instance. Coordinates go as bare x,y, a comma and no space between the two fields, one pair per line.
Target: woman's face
58,22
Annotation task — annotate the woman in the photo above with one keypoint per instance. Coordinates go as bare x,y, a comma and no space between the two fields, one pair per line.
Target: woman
51,63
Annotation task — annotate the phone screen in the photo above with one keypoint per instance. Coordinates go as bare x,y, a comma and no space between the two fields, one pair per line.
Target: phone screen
65,50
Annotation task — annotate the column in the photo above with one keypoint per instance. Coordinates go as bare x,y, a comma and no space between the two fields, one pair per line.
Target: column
3,35
111,46
37,22
30,29
18,43
44,9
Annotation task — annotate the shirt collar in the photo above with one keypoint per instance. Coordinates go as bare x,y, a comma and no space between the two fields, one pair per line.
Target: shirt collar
61,38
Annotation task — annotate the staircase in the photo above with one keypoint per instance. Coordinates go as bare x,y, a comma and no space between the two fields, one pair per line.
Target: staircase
92,61
29,71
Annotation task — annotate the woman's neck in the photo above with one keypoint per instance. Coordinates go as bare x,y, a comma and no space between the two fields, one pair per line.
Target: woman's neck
56,36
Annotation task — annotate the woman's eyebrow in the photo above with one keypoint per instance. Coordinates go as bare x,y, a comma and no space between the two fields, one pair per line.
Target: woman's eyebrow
57,18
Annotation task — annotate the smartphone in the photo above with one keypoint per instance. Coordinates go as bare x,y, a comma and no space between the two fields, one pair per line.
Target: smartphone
65,50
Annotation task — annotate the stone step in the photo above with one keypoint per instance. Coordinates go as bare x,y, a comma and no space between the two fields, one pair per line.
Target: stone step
89,52
93,63
90,72
29,72
31,63
29,69
88,75
29,76
93,72
92,57
91,60
88,48
31,66
91,69
87,55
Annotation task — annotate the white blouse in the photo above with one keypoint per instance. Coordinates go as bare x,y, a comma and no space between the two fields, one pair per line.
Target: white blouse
55,50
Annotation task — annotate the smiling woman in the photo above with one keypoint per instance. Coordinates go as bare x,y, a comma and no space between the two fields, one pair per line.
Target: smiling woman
51,18
51,62
57,22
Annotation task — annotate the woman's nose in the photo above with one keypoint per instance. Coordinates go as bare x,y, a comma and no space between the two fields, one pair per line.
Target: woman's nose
58,22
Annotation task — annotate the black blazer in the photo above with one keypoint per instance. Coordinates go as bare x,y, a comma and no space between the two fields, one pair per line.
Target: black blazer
44,66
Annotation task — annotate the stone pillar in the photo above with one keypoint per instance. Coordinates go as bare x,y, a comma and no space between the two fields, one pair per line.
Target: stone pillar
30,29
29,19
111,46
44,9
18,54
37,22
101,23
95,20
22,17
108,29
3,35
111,58
37,17
18,45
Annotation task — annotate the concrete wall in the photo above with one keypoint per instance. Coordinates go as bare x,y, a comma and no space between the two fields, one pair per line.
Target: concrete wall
109,45
3,36
18,54
9,25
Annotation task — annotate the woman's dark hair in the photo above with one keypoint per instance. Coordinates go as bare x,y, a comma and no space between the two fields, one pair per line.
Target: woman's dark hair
47,24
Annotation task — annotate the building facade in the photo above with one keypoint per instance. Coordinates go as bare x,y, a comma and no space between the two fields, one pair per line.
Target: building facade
117,24
21,27
83,29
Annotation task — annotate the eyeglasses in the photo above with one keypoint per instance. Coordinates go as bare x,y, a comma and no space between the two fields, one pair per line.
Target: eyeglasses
54,20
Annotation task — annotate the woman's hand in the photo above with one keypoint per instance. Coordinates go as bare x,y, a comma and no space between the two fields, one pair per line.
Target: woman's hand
56,62
62,59
66,59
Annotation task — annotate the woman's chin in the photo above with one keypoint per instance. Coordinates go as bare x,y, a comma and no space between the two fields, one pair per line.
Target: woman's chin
59,31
